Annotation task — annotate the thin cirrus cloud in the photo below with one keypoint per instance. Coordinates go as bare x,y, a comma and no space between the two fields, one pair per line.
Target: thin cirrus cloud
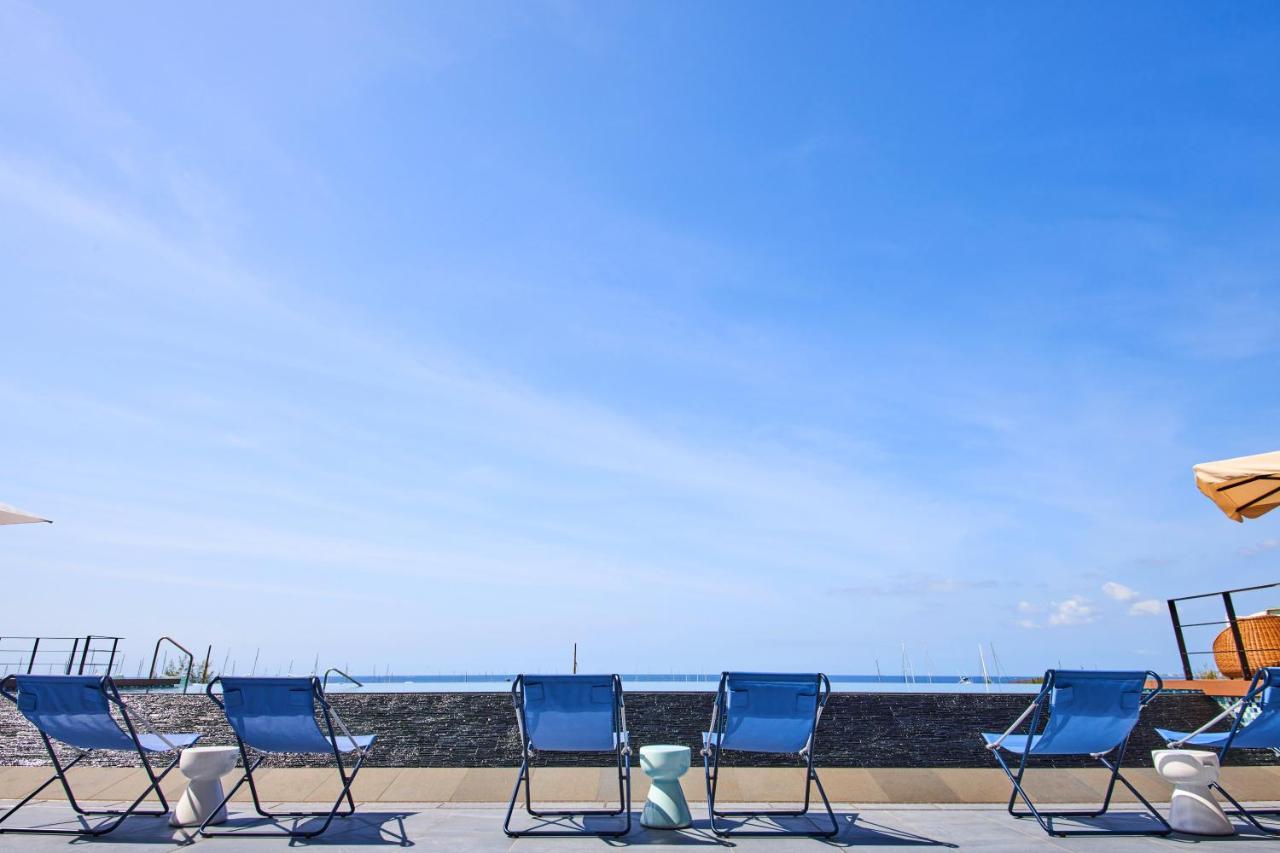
1079,610
404,330
1071,611
1260,548
1076,610
1127,595
1119,591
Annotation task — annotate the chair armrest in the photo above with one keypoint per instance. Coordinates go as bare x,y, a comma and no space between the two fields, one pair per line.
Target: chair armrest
715,716
1256,686
1149,694
208,689
622,713
1233,709
332,712
9,682
112,693
342,727
995,744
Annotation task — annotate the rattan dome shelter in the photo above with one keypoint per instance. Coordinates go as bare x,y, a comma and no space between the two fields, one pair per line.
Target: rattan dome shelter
1260,635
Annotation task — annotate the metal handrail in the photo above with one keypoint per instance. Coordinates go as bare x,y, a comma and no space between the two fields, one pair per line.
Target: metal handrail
1225,591
81,646
324,685
191,659
1232,622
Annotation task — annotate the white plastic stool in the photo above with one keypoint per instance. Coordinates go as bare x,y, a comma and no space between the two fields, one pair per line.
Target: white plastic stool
204,766
1192,808
666,807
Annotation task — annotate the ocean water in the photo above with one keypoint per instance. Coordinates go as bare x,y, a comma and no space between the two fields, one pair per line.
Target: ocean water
651,682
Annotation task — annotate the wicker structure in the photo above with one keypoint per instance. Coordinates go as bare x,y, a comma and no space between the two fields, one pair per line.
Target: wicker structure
1261,637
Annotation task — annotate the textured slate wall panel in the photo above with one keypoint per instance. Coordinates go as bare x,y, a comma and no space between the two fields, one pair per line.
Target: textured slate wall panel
478,729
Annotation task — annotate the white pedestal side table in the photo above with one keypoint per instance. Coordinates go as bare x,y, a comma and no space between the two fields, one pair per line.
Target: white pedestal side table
666,807
204,766
1192,808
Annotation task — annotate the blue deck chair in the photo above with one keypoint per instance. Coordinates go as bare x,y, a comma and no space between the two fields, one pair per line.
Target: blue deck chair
1090,713
766,712
571,713
278,715
1261,732
76,710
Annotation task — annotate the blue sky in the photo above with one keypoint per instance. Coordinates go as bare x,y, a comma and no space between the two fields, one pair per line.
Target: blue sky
440,337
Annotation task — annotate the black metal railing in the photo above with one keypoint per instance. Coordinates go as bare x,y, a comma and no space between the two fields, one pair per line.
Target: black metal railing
1232,621
90,654
191,660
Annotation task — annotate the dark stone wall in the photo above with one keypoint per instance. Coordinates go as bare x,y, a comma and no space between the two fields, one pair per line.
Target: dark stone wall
478,729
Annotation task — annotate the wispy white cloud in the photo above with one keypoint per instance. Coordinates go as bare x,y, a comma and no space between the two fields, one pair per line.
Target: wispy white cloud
262,359
1146,607
1075,610
1119,591
1259,548
913,584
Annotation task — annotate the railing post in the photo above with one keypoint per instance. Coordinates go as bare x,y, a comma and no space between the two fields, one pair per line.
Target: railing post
1235,633
84,654
35,648
1182,643
71,661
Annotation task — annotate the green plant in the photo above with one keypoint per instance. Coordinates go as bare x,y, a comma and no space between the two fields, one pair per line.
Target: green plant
200,674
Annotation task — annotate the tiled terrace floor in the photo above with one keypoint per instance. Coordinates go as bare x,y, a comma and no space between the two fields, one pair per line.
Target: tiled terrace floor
459,810
477,829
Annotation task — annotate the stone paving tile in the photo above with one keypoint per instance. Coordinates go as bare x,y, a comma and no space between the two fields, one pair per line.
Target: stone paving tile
370,786
476,829
915,786
293,784
133,784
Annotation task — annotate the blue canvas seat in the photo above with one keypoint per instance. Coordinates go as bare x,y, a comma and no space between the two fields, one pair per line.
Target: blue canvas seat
282,715
571,713
77,710
766,713
1255,724
1090,714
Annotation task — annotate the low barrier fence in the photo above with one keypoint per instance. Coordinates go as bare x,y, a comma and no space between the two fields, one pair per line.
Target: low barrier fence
478,729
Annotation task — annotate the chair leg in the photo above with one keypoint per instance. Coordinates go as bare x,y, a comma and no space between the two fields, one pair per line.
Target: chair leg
119,815
712,773
1250,815
624,807
1045,819
329,815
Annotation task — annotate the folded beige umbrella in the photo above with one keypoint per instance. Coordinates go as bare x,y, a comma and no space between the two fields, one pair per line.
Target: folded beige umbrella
10,515
1244,487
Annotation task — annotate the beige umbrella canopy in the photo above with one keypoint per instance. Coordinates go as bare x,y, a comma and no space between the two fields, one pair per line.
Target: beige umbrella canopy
10,515
1244,487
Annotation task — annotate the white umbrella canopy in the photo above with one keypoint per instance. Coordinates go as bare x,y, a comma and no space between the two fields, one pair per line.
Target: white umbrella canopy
12,515
1244,487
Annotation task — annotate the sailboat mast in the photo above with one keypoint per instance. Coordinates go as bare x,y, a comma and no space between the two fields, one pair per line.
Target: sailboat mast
986,677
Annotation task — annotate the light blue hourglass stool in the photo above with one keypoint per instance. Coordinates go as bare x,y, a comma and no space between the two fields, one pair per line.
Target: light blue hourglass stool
666,807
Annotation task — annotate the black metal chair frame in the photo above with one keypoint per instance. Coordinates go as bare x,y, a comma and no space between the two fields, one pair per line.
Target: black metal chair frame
112,693
330,716
1044,818
622,755
711,764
